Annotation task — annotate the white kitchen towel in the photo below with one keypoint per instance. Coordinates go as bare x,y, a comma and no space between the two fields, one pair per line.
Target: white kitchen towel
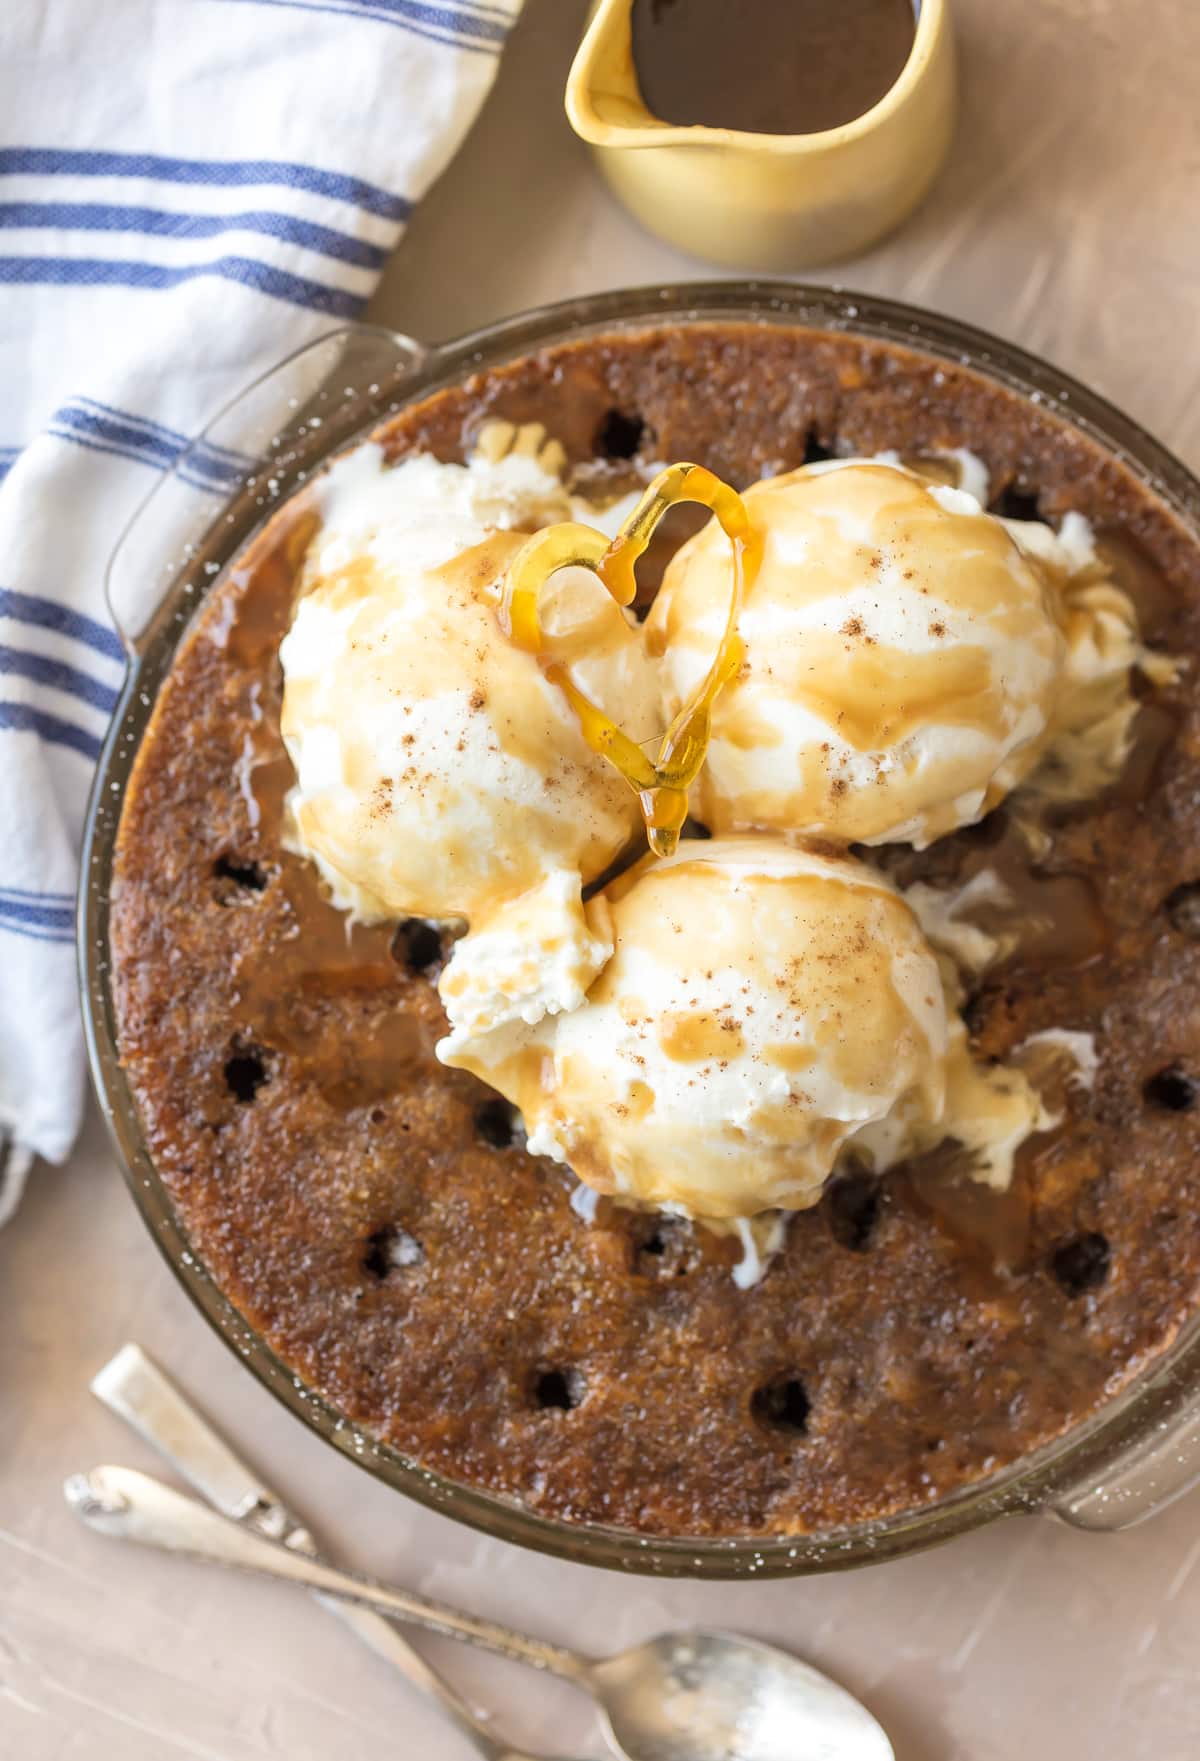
189,189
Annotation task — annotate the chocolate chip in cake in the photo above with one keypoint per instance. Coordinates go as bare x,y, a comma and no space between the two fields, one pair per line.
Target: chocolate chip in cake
1015,503
245,1072
561,1389
852,1209
782,1405
239,876
1172,1089
815,450
391,1249
1082,1264
418,945
1183,908
665,1247
619,435
499,1124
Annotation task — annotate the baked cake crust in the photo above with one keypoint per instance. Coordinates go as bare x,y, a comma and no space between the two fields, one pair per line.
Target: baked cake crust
371,1212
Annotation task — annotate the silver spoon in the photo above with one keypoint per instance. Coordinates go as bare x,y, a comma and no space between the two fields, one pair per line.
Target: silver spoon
695,1696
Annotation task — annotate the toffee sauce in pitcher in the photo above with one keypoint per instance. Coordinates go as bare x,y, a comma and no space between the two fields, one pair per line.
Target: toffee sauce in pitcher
785,67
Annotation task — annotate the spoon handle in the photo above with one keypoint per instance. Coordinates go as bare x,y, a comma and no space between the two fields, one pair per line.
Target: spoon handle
133,1506
133,1387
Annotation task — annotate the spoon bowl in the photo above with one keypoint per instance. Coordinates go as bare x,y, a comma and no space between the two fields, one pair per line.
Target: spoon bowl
713,1696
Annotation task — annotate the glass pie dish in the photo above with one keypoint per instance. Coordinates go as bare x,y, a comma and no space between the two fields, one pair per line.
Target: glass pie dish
1134,1453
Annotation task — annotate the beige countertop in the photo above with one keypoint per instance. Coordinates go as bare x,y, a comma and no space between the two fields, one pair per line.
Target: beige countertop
1068,220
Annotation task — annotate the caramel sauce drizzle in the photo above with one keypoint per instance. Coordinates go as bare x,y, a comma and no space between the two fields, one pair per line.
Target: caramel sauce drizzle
661,785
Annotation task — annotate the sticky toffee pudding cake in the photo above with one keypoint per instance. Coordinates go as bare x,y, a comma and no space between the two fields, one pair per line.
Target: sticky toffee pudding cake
930,1307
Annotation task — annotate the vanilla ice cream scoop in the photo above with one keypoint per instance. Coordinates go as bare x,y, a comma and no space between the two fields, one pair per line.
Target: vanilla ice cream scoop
767,1008
902,658
763,1004
438,772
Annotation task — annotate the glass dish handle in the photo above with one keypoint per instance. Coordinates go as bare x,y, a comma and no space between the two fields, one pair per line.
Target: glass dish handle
254,452
1157,1464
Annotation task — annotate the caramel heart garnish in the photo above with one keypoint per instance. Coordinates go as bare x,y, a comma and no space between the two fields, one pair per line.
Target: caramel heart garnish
662,786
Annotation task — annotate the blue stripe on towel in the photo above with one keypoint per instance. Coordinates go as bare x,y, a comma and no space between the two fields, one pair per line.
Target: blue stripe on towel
8,458
221,465
33,934
45,916
438,24
48,614
39,898
205,473
229,173
41,669
136,457
118,434
473,16
128,437
263,278
118,452
458,18
193,472
162,223
242,461
24,719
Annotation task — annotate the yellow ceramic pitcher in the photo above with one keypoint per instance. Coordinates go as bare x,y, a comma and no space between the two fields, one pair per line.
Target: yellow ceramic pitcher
760,201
